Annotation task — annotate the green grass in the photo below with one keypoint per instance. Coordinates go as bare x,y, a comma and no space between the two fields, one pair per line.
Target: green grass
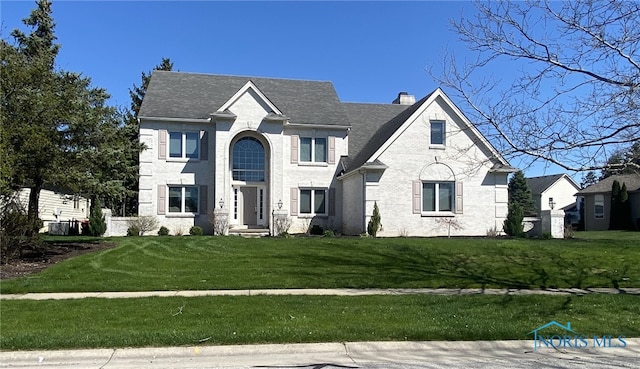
175,321
599,259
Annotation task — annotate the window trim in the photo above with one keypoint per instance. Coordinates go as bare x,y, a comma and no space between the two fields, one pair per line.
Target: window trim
183,146
313,151
597,215
437,211
444,133
313,191
182,211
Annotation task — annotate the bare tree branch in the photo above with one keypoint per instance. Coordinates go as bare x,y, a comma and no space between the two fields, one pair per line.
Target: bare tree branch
568,90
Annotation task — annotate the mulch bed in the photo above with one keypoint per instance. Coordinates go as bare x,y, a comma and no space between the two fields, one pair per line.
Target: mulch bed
54,253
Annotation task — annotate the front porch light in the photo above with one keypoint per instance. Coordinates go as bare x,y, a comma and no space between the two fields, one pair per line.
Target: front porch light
552,203
221,203
279,204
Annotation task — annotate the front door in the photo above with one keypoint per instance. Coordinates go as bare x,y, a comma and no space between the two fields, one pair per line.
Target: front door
249,206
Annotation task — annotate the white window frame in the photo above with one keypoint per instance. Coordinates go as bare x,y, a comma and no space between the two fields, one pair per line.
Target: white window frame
437,210
444,133
313,200
183,145
182,200
598,200
313,149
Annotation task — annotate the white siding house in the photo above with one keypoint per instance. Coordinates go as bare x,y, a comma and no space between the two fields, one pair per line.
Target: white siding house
57,206
249,146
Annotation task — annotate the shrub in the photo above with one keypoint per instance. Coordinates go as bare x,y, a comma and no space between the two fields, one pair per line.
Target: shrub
513,224
546,235
144,224
16,231
219,222
97,225
493,232
316,230
133,231
163,231
329,233
195,231
374,223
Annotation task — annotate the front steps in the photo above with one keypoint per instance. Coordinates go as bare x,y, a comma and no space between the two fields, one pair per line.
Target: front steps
249,232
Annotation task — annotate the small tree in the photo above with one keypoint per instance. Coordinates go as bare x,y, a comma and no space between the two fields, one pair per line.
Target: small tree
97,225
450,223
513,224
144,224
374,223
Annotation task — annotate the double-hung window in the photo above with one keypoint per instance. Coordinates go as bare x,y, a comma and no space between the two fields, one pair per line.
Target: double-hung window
183,199
313,149
599,206
184,145
438,132
438,197
313,201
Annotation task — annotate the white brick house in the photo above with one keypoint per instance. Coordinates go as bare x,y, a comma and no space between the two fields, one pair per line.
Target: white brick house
251,146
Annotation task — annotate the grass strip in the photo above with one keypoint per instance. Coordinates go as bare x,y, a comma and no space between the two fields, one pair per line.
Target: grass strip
176,321
197,263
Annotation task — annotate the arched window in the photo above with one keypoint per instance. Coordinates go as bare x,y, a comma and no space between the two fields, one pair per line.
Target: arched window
248,160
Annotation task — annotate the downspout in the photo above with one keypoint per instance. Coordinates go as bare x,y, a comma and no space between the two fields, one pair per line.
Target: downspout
364,201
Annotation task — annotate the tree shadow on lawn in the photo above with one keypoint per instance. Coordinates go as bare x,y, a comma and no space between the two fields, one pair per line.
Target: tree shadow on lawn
501,268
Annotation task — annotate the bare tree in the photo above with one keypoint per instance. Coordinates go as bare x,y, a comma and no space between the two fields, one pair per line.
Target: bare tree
569,85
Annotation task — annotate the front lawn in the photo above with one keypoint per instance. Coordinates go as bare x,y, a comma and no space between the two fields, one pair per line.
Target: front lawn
177,321
601,259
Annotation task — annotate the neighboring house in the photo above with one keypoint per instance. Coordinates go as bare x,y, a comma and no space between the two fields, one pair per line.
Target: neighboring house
557,191
597,201
57,206
251,146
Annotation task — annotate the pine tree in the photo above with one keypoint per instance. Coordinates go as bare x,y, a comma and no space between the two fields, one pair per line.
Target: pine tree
97,224
626,222
374,223
513,224
520,193
128,205
616,206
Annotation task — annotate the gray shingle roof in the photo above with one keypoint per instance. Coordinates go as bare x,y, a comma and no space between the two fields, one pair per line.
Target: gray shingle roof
604,186
196,96
382,135
366,119
539,184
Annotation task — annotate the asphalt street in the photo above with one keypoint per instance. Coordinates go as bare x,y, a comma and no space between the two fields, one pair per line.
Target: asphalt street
365,355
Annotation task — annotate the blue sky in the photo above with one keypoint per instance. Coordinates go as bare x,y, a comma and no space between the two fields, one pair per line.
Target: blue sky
369,50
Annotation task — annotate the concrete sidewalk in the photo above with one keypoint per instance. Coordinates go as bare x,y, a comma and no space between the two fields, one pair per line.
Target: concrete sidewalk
434,354
322,292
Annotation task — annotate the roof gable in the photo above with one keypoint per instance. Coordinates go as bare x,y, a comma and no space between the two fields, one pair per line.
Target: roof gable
196,96
540,184
387,133
249,86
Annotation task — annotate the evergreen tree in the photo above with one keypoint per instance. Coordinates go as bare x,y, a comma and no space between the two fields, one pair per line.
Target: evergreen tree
374,223
520,193
513,224
588,179
616,207
626,222
57,127
128,205
97,224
